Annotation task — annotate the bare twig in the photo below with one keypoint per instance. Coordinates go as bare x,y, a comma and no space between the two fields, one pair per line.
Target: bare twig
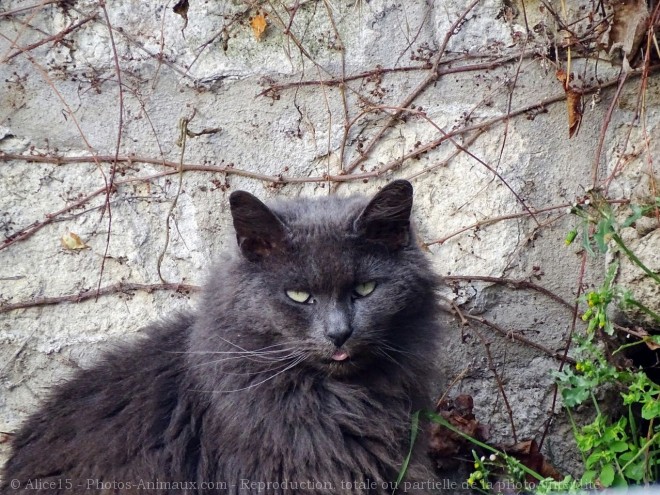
519,338
569,340
120,125
513,283
118,288
512,216
337,81
540,105
443,163
39,5
56,38
429,79
30,230
500,385
603,130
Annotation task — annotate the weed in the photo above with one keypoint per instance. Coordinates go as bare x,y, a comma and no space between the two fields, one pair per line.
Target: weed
616,451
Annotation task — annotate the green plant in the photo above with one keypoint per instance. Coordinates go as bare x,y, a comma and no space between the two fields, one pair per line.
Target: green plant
616,451
620,451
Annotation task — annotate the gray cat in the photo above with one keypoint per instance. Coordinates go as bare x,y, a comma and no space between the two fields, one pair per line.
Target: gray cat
298,373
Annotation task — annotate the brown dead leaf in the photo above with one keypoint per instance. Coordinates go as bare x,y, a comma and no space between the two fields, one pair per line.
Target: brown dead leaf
651,342
258,24
627,28
527,452
445,446
573,103
181,8
72,241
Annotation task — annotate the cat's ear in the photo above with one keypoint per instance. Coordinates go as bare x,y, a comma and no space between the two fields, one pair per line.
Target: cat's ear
259,231
386,219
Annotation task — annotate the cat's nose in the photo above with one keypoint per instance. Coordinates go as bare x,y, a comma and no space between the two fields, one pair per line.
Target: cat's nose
338,328
339,335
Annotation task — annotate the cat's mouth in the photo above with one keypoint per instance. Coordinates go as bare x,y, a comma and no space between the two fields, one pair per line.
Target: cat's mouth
340,355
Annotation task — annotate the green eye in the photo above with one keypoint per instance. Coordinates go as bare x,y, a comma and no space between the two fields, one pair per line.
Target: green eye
363,290
300,296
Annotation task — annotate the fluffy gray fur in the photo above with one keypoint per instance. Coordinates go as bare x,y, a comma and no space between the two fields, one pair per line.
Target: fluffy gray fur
245,391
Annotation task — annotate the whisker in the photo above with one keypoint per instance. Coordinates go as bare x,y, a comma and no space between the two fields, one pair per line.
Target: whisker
256,359
384,353
396,349
264,350
274,367
292,365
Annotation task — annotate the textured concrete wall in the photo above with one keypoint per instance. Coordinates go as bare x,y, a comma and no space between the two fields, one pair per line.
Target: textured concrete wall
343,131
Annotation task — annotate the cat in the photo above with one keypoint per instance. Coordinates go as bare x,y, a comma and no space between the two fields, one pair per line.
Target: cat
299,372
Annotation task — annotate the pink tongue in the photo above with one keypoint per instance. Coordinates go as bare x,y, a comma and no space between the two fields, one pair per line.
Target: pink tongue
340,356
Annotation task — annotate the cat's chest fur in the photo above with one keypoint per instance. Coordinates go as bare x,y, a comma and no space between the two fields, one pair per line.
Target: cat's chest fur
313,429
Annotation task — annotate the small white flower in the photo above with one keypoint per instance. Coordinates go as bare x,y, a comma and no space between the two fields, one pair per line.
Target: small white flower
492,457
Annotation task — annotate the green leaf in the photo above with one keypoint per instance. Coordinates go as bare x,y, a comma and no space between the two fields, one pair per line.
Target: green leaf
625,457
574,396
651,409
414,430
619,446
603,229
588,477
637,212
593,459
635,471
607,475
619,481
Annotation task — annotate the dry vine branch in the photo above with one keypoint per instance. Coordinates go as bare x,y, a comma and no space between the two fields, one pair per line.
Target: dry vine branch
118,288
28,231
120,125
56,38
443,163
481,162
491,365
519,338
567,346
500,385
277,87
541,105
48,80
430,78
603,130
512,216
516,284
9,13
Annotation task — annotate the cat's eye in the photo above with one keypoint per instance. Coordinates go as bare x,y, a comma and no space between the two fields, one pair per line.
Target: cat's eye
300,296
363,290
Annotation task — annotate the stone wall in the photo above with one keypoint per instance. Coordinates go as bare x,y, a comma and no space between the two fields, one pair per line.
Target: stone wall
333,97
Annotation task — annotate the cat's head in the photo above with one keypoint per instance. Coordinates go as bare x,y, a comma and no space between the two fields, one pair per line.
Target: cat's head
339,280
